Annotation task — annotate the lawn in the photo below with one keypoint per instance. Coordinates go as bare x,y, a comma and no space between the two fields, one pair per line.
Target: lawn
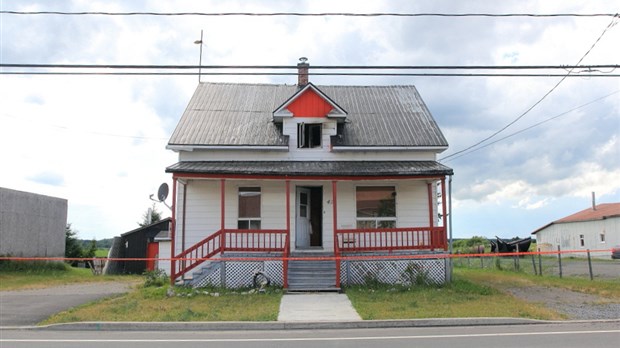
38,275
154,304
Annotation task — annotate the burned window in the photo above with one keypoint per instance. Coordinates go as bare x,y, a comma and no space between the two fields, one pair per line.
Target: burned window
249,208
376,206
308,135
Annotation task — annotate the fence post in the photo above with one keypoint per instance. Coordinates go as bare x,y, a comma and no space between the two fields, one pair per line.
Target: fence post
534,265
516,259
481,262
560,260
590,265
539,263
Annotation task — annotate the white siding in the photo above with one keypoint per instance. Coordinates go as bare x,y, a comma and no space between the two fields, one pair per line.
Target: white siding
203,206
566,235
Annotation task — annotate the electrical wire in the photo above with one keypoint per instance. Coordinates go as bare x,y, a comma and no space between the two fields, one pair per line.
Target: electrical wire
610,25
302,14
294,74
534,125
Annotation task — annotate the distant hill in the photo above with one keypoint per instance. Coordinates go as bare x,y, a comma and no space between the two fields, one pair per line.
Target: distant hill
101,244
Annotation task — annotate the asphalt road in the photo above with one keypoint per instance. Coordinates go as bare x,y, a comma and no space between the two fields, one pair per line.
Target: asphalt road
29,307
564,335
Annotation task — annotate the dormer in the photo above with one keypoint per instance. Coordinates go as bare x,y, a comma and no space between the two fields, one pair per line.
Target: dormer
309,101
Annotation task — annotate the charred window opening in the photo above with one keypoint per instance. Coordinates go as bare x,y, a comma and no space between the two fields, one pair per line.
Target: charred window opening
308,135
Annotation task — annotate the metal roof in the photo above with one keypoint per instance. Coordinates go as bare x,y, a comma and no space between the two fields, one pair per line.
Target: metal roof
232,114
314,168
602,212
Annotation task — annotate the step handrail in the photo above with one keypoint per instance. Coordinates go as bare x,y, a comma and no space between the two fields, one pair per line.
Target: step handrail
197,254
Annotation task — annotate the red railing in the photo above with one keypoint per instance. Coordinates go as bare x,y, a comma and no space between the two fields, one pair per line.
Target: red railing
197,254
231,240
254,240
391,239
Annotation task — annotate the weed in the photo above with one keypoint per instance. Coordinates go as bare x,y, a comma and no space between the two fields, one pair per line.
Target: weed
157,278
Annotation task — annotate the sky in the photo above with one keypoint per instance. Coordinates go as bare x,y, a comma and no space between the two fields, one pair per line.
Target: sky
99,141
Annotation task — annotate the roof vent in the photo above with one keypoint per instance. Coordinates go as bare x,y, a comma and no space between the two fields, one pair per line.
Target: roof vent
302,72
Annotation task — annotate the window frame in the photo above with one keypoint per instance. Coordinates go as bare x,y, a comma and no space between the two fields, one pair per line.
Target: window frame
376,220
250,220
314,141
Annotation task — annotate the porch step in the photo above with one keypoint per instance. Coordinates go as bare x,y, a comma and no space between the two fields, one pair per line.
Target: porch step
199,276
312,275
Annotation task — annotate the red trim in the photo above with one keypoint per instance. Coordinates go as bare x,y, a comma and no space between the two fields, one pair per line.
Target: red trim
288,235
223,211
301,177
173,230
335,228
444,212
390,239
309,104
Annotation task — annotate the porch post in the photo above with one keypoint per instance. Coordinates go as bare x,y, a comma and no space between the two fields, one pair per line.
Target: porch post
222,214
444,214
429,190
172,231
288,235
335,221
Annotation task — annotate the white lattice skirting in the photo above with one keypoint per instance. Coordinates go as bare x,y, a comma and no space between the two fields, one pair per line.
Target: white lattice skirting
239,274
401,271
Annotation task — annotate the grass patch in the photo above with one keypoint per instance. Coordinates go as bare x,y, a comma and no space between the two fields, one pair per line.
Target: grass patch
101,252
607,288
39,275
461,298
156,304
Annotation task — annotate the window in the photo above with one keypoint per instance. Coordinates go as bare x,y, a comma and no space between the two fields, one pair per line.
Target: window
249,208
582,241
602,236
376,206
308,135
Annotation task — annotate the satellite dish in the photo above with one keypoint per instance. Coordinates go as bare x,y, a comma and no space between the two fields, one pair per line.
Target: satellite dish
162,193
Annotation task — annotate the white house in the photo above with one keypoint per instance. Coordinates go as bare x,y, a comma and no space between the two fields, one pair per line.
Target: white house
292,179
596,228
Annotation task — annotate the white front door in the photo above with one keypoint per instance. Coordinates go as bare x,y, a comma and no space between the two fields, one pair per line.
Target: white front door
303,227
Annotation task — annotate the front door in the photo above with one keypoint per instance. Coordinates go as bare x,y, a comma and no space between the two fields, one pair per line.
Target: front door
308,217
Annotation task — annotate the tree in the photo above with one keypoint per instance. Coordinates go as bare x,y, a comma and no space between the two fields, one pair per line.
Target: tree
73,247
92,249
151,215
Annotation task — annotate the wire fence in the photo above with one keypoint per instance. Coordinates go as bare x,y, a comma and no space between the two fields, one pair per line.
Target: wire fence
569,263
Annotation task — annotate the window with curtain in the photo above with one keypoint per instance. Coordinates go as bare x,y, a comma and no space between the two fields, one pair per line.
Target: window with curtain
249,208
376,206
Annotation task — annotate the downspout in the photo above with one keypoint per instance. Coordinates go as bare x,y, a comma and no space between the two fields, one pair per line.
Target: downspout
288,235
335,219
173,232
183,219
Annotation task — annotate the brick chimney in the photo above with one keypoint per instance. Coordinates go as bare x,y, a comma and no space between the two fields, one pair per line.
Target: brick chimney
302,72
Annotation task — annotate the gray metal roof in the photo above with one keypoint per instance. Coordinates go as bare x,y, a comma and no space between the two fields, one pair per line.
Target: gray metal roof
314,168
232,114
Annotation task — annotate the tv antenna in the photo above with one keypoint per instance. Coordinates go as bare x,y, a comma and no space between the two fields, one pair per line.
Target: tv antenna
162,194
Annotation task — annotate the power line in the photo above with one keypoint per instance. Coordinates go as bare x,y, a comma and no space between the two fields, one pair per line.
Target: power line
75,73
610,25
303,14
534,125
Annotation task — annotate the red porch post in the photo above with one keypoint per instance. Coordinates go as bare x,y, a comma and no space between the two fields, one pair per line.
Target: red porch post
431,223
173,232
335,221
444,213
288,235
223,213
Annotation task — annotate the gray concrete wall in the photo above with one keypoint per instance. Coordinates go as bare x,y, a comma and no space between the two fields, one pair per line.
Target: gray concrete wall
32,225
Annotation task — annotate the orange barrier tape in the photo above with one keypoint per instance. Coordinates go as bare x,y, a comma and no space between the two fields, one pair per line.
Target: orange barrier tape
324,258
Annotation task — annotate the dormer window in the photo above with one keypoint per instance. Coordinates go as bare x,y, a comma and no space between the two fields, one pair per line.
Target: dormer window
308,135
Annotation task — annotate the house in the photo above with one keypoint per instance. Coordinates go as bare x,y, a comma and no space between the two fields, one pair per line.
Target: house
138,244
32,225
595,228
296,180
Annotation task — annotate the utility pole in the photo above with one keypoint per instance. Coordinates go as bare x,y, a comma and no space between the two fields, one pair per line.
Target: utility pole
199,42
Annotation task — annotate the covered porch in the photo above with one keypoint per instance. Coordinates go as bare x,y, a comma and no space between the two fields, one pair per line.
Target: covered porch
275,238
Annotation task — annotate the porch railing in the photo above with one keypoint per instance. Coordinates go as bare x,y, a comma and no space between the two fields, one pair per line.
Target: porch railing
231,240
391,239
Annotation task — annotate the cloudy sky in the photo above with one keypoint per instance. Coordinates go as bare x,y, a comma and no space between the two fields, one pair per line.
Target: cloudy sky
99,141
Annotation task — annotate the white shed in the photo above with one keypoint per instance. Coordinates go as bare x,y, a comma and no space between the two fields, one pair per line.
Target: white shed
596,229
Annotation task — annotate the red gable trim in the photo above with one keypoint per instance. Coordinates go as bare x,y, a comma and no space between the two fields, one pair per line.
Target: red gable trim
310,104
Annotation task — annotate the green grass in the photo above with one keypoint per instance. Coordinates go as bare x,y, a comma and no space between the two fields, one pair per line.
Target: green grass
101,252
38,275
151,304
461,298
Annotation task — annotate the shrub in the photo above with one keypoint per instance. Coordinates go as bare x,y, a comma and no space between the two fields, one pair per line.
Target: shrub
156,278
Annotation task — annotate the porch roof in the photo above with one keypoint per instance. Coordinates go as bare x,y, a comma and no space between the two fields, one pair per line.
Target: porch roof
313,168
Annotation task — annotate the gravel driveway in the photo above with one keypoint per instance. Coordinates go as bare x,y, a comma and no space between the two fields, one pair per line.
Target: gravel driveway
29,307
575,305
